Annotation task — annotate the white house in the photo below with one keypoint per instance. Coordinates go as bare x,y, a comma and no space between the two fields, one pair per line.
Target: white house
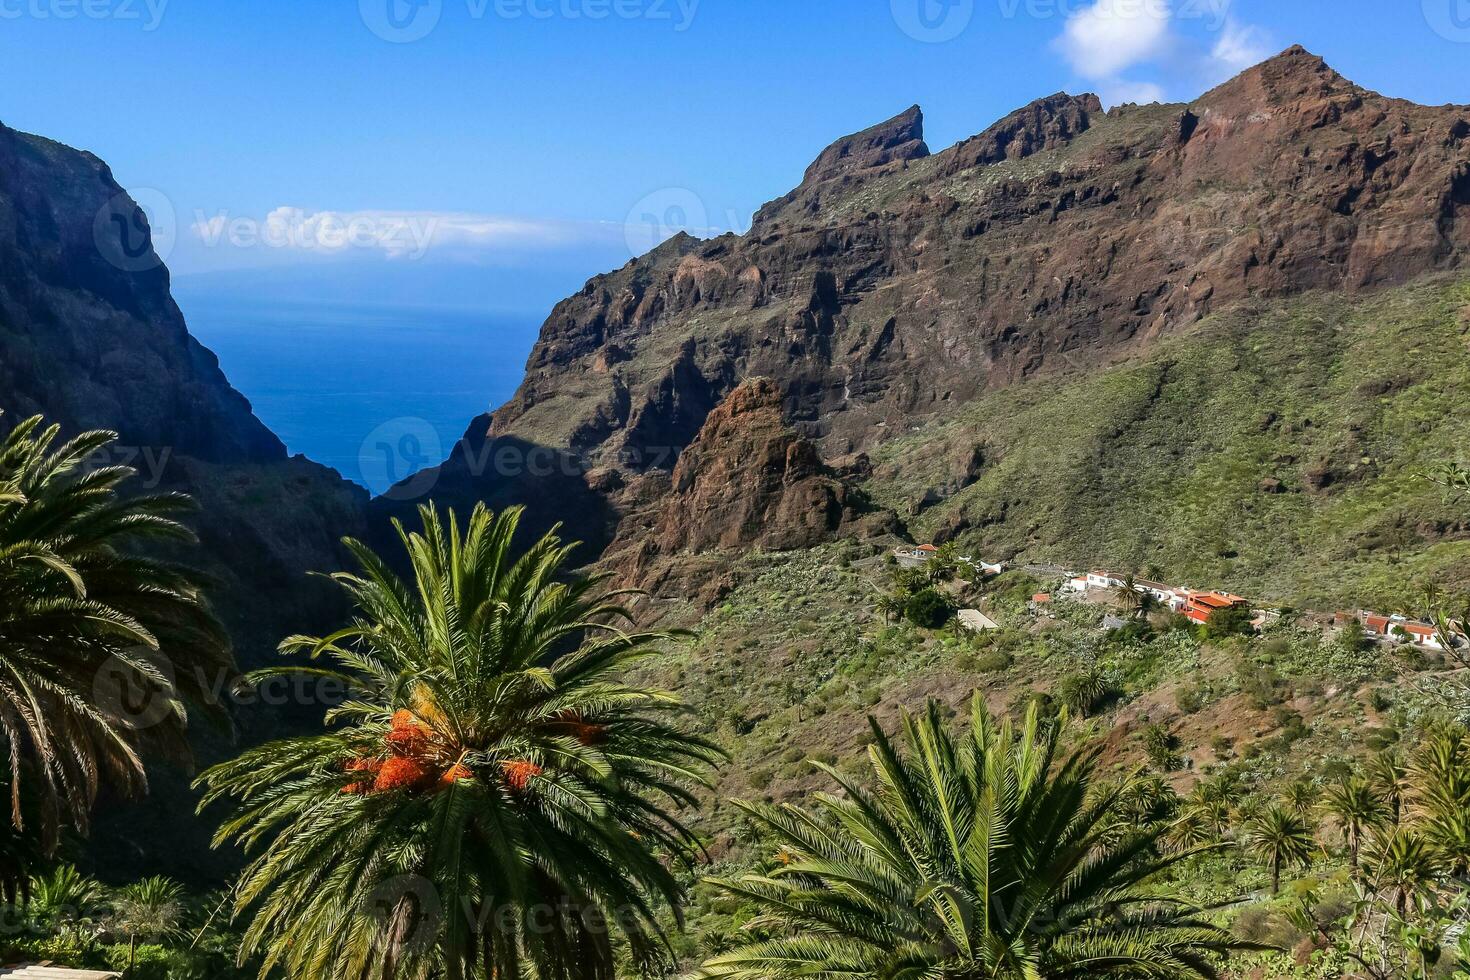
1165,595
1105,580
1423,635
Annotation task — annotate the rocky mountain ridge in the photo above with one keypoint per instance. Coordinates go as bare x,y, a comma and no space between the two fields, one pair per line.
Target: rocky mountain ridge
895,285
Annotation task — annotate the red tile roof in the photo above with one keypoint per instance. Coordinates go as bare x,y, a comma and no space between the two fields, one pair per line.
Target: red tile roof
1216,600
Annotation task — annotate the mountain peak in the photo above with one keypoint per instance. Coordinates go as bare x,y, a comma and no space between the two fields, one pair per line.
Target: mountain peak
899,138
1293,76
1043,125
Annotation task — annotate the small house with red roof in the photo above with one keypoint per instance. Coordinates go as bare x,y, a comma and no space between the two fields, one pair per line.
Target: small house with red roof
1199,606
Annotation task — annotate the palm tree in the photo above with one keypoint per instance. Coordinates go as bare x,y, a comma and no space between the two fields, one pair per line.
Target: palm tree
485,803
65,901
1357,809
1190,831
943,564
152,909
1281,838
976,855
1301,796
1129,598
1390,780
1211,815
1082,692
1439,778
100,647
1404,863
889,605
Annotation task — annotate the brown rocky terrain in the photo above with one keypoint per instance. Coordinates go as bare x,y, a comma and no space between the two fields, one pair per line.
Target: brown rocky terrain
895,285
747,481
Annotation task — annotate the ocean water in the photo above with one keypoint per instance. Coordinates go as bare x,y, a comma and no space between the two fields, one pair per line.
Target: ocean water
374,392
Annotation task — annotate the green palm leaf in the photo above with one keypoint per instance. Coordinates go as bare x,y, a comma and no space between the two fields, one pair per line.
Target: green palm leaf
541,822
971,855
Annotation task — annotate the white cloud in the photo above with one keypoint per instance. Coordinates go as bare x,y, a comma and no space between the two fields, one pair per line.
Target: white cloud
1239,47
1113,35
393,234
1120,90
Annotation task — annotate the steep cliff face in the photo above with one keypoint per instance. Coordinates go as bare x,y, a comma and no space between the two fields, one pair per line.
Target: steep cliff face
895,283
88,331
894,286
91,338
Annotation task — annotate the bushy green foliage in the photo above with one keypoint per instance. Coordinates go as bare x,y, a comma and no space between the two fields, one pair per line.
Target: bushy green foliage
1161,747
929,608
1225,623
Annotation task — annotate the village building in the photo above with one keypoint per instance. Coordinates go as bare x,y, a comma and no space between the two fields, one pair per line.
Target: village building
1164,595
1199,606
1397,628
1105,580
48,972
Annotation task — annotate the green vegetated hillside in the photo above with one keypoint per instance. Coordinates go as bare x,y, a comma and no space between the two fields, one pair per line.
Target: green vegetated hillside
786,670
1276,449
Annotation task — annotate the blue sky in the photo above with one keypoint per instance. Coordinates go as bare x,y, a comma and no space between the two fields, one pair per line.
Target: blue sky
531,139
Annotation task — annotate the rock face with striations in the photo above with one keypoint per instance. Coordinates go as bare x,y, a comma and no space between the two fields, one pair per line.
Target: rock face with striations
749,480
894,285
746,481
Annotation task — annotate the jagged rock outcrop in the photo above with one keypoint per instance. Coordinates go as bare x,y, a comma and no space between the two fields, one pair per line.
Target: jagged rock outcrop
1046,124
748,480
854,160
894,284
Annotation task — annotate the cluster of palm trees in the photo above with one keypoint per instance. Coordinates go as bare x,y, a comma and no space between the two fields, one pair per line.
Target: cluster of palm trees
79,909
1402,822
